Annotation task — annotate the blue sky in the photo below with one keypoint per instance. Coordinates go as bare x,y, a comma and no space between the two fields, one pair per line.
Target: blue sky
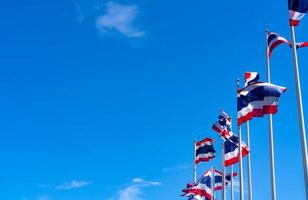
101,100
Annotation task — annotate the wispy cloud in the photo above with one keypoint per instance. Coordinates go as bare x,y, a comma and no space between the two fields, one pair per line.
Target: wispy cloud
74,184
180,167
135,189
236,184
86,9
143,182
121,18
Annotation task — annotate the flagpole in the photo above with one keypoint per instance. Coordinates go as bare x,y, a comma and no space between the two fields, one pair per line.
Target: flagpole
195,166
232,188
240,154
232,185
213,183
300,110
223,173
271,134
248,162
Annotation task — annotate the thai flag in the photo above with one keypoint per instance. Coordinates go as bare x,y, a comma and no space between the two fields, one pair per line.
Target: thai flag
297,10
301,44
205,183
228,177
189,191
273,40
205,150
231,150
218,179
202,188
223,125
195,197
258,99
251,77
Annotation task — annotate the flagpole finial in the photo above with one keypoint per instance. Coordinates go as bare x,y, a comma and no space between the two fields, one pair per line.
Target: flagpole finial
266,30
238,82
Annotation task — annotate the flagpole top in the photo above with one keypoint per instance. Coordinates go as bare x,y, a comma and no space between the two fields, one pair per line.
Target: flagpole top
266,30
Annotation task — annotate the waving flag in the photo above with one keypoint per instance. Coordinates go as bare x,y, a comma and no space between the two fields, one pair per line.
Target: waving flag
258,99
301,44
228,178
202,188
205,150
204,184
251,77
232,151
195,197
189,190
297,10
273,40
223,125
218,179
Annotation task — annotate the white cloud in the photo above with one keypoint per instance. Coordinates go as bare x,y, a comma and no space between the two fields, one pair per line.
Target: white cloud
132,192
74,184
180,167
120,18
145,183
236,184
85,9
135,190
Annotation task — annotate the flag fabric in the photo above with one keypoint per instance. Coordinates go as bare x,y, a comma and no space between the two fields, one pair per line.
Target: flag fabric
189,190
218,179
251,77
297,10
223,125
228,177
204,150
231,150
258,99
202,188
195,197
301,44
273,40
204,183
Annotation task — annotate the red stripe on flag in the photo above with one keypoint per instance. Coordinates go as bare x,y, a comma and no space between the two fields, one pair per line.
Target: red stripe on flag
294,22
204,159
270,109
236,159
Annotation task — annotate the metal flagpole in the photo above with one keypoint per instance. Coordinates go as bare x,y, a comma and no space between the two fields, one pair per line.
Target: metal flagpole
223,173
248,163
300,110
240,154
232,186
213,183
271,136
195,166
